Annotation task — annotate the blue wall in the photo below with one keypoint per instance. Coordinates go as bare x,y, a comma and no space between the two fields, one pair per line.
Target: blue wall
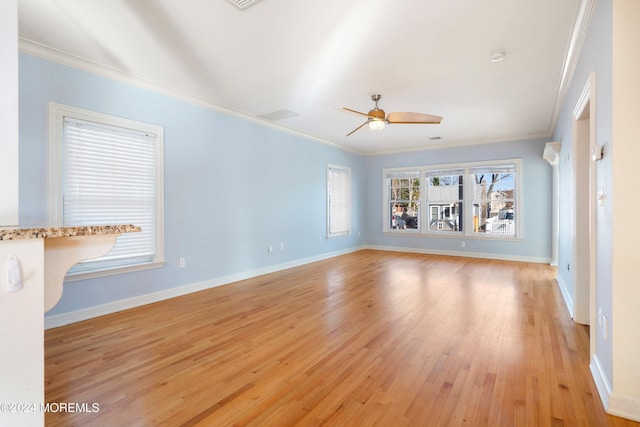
596,57
537,183
232,186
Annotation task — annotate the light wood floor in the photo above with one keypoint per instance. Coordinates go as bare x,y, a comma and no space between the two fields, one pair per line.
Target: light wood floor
370,338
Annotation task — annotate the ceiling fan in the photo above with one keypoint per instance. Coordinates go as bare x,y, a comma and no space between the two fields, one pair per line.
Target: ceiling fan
376,118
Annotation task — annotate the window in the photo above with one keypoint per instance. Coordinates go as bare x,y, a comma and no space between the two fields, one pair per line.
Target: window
478,199
493,199
403,200
338,200
108,170
445,200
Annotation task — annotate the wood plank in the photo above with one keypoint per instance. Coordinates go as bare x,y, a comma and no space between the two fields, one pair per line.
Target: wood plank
369,338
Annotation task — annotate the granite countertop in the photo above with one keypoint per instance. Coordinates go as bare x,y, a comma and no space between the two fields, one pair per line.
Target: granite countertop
19,232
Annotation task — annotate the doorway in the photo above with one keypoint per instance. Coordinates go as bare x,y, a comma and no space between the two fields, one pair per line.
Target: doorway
584,246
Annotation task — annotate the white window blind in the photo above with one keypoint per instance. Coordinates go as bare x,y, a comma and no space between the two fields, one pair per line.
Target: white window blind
109,177
339,200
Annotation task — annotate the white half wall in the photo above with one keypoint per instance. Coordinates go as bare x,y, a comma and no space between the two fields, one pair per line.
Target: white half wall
22,335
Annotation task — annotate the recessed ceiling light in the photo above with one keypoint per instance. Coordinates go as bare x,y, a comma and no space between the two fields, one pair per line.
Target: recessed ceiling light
497,56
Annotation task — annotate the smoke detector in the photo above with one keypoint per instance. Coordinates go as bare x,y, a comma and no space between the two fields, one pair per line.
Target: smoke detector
497,56
243,4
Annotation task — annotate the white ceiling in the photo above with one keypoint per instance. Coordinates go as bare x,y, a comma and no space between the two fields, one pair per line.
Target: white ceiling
315,57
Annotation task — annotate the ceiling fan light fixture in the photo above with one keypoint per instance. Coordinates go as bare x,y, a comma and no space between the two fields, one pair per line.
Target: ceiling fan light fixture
377,118
376,124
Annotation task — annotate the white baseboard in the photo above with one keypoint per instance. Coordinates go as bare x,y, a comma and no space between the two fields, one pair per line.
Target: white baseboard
56,320
624,407
483,255
602,383
566,296
62,319
613,403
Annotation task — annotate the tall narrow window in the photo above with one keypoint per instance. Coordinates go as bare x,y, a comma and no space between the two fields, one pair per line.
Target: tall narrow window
494,199
338,200
107,170
445,198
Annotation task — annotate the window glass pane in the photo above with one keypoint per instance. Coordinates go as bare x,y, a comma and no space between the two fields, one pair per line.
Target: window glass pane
445,200
494,200
404,200
109,177
339,199
464,199
108,170
404,215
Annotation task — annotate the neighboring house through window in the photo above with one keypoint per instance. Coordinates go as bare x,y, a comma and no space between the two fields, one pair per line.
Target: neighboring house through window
403,199
445,198
479,199
493,199
108,170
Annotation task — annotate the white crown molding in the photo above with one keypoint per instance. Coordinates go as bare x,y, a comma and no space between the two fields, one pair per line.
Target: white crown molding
64,58
578,35
468,143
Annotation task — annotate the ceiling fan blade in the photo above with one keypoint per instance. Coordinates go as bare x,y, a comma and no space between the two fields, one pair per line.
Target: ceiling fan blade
354,111
358,128
413,118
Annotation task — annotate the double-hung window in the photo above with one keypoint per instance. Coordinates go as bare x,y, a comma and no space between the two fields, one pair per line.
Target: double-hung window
445,199
494,200
338,200
403,200
480,199
108,170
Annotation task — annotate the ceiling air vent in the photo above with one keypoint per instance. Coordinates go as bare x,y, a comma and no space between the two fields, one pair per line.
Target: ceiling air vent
278,115
244,4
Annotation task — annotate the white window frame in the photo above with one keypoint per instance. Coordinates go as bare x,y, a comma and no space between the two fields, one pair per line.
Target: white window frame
467,201
331,203
473,171
395,172
57,114
445,171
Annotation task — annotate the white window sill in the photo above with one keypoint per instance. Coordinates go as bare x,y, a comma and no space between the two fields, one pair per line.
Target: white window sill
453,235
73,277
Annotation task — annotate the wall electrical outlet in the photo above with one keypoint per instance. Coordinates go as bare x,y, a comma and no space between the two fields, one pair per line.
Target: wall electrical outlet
600,317
14,276
182,262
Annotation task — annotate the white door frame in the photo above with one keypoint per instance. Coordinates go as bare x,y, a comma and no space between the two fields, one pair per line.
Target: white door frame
584,206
